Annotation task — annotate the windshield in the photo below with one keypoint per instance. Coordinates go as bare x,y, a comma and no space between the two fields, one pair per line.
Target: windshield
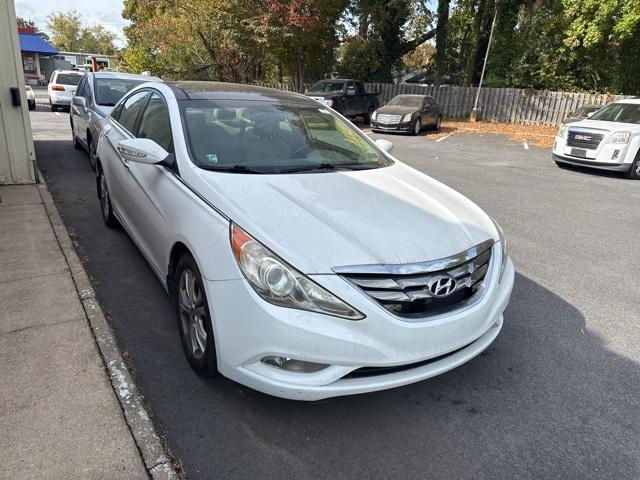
327,87
260,137
110,90
584,111
68,78
619,112
407,101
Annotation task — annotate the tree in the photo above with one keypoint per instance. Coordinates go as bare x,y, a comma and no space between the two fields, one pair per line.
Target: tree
70,35
30,24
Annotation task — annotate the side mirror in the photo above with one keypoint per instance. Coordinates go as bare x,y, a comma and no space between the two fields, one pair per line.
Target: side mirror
385,145
142,150
80,102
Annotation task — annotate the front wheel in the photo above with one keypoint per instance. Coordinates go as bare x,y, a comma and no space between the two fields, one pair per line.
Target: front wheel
194,321
634,171
92,153
369,114
106,208
417,126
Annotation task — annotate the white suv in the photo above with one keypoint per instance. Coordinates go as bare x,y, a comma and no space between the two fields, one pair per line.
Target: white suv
62,88
609,140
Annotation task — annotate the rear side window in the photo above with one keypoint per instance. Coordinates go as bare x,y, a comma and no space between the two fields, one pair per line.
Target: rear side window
68,79
128,114
155,123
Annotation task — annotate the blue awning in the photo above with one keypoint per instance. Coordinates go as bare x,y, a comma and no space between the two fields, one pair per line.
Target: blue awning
30,43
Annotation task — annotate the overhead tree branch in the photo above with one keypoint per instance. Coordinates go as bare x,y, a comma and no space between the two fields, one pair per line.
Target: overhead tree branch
411,45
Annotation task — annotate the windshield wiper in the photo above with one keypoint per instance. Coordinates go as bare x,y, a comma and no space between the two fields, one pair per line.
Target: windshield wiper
330,166
233,169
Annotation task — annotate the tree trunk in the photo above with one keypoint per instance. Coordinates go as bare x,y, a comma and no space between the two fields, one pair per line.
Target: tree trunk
441,36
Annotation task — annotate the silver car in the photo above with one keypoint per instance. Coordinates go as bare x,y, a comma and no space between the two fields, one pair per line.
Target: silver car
95,97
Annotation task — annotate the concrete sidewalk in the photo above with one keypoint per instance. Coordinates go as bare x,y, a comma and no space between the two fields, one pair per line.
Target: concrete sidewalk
59,414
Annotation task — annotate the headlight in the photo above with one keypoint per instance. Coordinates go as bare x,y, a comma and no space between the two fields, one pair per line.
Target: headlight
503,249
562,131
620,137
407,117
328,103
374,115
279,283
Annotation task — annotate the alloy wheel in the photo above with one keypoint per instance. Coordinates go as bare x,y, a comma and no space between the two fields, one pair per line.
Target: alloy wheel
104,196
92,154
418,126
192,312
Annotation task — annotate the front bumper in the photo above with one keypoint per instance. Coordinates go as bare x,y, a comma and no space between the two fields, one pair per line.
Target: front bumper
248,329
608,156
383,127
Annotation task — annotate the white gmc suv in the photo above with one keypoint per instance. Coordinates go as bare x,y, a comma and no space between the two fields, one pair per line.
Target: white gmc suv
609,140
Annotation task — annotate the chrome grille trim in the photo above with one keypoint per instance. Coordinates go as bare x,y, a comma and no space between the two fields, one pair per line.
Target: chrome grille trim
388,119
404,289
415,268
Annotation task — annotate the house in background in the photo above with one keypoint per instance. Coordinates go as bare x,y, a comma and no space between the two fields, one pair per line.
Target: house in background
34,50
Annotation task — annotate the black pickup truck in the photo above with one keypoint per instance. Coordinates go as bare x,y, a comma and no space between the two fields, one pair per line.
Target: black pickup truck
346,96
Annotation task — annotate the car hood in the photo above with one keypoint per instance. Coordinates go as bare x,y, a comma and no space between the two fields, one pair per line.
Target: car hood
609,126
318,221
396,110
325,95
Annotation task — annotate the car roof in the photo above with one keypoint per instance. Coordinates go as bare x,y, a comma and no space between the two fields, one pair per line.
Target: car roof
77,72
634,101
128,76
197,90
338,80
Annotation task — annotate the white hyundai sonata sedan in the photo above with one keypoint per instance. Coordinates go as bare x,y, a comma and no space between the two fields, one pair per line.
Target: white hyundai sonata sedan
303,260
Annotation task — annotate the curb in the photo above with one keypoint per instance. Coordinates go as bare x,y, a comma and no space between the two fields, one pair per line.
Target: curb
157,463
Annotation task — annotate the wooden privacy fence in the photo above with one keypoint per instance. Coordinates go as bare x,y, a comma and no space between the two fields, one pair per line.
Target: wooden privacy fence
511,105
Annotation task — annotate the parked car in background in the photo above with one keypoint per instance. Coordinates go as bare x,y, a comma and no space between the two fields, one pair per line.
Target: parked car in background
407,113
266,216
96,95
31,97
62,87
581,113
345,96
609,140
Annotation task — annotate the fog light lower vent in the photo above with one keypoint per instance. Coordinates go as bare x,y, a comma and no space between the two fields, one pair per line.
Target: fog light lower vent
293,365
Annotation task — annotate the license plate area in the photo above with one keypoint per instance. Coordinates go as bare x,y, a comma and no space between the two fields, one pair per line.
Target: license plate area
579,152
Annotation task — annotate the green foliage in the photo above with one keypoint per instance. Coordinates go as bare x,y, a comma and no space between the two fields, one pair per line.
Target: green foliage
68,34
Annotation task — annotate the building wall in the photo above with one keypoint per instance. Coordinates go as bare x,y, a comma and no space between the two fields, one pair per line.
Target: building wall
17,154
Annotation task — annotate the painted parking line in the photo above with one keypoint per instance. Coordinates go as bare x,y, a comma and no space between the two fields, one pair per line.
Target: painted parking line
525,144
57,113
444,138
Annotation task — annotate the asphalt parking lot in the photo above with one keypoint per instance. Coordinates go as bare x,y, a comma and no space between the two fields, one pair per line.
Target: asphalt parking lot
556,396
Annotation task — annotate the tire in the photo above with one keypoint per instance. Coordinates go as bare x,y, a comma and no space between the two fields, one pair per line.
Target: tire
416,127
106,208
634,171
76,143
53,107
367,116
31,104
192,315
438,125
91,148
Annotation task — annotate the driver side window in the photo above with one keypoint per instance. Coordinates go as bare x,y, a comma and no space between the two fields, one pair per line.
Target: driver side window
155,123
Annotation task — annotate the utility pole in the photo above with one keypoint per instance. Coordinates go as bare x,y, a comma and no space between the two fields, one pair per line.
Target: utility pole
474,112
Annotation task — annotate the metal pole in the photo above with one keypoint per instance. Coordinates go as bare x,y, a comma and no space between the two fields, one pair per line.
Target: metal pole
474,112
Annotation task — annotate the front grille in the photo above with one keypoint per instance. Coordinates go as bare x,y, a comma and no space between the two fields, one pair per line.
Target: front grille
426,288
389,119
584,139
